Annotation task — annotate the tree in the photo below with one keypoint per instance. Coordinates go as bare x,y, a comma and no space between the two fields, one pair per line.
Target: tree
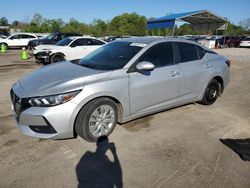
15,23
245,24
4,21
185,29
99,27
128,24
37,19
56,25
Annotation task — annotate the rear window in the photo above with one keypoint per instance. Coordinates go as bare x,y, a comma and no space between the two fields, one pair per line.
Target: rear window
187,52
93,42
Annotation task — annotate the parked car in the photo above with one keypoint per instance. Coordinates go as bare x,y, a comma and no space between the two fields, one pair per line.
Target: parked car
4,34
245,42
230,41
51,39
120,81
113,38
18,40
70,48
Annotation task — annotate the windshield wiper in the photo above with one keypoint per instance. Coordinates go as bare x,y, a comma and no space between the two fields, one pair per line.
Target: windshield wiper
91,66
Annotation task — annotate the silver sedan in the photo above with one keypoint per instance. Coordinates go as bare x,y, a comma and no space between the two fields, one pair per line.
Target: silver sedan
120,81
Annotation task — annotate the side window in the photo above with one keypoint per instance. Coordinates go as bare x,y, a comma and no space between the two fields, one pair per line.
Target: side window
56,37
26,36
98,42
78,42
63,36
31,37
187,52
201,52
15,37
160,55
93,42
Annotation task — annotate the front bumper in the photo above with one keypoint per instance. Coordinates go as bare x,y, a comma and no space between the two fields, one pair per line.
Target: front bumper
55,122
42,57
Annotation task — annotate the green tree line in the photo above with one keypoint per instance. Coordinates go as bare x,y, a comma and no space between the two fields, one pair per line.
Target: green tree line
127,24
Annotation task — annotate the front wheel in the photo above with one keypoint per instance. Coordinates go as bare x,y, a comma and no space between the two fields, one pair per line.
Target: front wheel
57,58
96,119
212,92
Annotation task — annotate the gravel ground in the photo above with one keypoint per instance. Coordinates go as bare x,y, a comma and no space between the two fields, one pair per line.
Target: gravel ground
176,148
236,54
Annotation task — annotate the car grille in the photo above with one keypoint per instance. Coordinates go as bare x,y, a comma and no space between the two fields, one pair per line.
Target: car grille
19,104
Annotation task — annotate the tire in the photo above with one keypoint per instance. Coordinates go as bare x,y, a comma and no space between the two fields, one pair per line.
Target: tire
92,123
211,93
57,58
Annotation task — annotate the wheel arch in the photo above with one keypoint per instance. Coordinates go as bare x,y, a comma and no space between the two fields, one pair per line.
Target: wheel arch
220,80
118,105
5,43
56,53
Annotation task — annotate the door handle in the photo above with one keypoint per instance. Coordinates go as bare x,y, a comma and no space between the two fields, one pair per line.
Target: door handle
174,73
208,66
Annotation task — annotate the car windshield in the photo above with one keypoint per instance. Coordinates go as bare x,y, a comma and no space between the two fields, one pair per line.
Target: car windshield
51,36
246,39
64,42
112,56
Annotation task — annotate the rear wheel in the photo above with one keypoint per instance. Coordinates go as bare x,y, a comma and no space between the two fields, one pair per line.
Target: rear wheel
212,92
96,119
57,58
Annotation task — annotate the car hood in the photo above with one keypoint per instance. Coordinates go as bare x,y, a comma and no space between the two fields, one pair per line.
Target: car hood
57,78
3,39
47,47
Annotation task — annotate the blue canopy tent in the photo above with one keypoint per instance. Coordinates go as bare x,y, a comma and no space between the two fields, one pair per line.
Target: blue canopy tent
201,20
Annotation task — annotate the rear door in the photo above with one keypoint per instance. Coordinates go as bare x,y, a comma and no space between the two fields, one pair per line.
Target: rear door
76,50
160,87
24,39
92,44
89,46
194,69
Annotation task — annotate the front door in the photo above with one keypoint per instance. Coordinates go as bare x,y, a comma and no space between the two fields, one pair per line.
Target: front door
160,87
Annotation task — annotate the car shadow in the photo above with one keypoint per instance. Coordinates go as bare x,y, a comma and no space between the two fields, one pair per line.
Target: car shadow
95,169
239,146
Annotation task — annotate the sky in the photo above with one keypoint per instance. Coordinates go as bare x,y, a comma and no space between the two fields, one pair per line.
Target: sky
87,10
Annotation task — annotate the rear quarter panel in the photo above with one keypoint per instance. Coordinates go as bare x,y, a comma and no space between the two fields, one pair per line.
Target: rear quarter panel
219,67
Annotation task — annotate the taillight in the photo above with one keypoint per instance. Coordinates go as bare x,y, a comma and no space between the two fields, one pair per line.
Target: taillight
228,62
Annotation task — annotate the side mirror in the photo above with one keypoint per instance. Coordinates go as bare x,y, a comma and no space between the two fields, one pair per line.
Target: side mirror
145,66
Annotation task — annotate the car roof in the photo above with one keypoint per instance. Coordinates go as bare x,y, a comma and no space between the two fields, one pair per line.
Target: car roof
23,34
82,37
150,39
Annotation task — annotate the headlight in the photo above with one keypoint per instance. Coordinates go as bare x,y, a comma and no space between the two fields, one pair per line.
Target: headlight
53,99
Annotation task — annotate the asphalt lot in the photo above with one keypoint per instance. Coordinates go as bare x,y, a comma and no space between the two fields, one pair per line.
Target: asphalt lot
176,148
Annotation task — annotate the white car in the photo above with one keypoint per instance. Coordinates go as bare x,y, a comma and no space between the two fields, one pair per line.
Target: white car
70,48
245,42
18,40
